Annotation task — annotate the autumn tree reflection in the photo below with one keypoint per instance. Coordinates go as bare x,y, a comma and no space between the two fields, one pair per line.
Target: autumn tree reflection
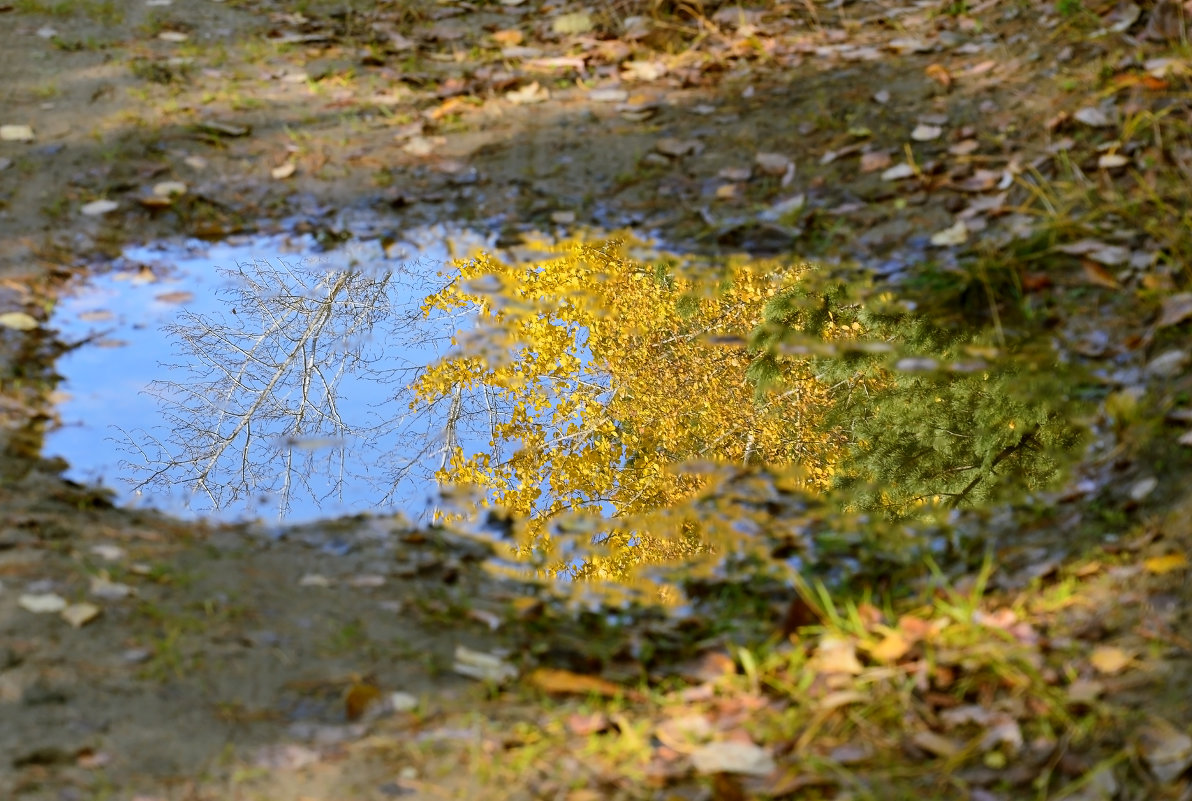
651,411
611,377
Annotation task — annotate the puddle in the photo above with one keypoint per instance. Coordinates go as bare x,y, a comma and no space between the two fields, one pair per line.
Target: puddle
258,378
619,407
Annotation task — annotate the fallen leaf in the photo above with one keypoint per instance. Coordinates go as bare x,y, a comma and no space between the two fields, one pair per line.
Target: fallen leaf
684,733
936,744
892,648
840,698
645,71
1093,117
1110,660
898,172
939,73
283,171
773,163
1122,17
16,133
572,24
528,95
508,37
957,234
1175,310
1166,750
564,682
1098,251
875,160
677,148
733,757
926,133
582,725
79,615
42,603
1085,691
97,208
104,587
836,655
422,145
1097,275
359,697
18,321
1166,563
1168,365
737,174
181,296
482,666
608,95
399,701
486,618
908,45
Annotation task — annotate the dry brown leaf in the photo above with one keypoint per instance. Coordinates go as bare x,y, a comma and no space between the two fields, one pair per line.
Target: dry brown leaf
359,697
564,682
939,73
582,725
915,629
1096,274
875,160
508,37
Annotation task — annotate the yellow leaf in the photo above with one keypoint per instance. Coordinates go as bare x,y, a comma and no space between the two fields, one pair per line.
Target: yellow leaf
1110,660
892,648
564,682
1166,563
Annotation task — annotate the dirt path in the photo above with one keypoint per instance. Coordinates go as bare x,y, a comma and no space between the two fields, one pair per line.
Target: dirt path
1051,142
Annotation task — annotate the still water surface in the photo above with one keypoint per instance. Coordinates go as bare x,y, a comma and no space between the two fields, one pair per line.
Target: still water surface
258,378
618,406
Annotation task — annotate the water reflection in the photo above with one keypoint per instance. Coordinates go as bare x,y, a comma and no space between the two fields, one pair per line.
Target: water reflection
659,411
613,412
278,385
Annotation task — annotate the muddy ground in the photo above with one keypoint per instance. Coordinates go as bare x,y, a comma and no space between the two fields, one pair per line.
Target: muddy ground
224,654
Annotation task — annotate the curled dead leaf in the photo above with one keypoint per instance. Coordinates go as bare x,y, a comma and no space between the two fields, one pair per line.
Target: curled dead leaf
939,73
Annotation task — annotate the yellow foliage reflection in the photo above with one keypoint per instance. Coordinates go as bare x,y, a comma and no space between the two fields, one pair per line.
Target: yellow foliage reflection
618,388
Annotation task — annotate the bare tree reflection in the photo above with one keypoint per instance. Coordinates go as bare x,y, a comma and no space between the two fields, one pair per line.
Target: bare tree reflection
254,406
